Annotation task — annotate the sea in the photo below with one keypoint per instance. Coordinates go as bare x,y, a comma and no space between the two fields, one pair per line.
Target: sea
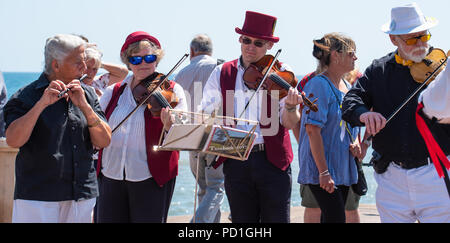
183,197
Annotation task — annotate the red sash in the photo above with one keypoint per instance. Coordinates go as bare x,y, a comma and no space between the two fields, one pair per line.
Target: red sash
433,147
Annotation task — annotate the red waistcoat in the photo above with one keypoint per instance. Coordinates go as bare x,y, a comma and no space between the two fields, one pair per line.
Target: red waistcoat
163,165
278,148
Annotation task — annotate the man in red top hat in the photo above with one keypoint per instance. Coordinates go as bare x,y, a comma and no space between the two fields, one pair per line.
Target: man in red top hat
258,189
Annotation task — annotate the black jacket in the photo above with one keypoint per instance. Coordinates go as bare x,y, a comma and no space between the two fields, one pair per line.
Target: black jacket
384,86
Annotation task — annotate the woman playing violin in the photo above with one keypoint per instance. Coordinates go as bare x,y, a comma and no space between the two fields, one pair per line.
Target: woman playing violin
137,183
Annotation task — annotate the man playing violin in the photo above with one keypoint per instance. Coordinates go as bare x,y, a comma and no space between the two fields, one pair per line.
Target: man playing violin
409,189
258,189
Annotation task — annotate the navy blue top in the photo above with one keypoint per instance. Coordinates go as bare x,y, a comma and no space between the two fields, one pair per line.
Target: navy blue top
56,163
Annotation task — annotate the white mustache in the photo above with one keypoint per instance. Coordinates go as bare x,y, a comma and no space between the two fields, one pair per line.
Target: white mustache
418,58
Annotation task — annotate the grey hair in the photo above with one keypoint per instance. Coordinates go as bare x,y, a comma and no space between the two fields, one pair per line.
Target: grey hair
202,43
93,52
58,48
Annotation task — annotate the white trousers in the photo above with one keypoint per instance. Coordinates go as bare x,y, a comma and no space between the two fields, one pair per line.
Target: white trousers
28,211
407,196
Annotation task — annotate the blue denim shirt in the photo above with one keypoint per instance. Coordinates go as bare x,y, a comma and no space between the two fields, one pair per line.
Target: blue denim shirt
336,140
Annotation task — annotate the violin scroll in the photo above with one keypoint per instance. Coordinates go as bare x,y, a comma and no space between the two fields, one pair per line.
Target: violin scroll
310,104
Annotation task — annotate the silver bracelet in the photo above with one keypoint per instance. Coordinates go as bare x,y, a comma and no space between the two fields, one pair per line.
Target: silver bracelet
324,173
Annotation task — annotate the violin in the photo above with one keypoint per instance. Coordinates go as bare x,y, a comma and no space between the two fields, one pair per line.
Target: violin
430,66
276,79
162,97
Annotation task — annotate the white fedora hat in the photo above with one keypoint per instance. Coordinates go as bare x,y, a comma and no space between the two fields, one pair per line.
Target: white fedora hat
408,19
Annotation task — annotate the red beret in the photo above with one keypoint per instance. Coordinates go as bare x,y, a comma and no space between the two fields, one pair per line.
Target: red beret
138,36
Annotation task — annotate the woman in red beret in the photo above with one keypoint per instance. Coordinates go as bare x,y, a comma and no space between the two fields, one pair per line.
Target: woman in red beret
137,183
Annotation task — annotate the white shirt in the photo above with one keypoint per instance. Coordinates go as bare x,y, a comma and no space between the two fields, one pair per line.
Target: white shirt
436,97
212,100
127,150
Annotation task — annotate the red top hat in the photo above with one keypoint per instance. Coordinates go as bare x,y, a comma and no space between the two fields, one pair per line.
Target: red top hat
138,36
259,26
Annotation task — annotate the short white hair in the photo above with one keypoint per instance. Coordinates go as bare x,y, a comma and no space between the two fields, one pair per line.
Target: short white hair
58,48
93,52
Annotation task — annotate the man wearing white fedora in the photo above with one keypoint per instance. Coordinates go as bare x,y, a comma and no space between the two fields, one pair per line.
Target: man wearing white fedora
409,189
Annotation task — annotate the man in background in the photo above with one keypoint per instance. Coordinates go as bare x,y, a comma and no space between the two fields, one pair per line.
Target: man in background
211,181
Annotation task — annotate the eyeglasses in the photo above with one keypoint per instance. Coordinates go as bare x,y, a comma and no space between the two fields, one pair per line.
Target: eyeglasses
351,53
412,41
257,43
136,60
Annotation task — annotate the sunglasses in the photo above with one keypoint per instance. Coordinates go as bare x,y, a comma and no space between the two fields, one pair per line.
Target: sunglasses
257,43
136,60
412,41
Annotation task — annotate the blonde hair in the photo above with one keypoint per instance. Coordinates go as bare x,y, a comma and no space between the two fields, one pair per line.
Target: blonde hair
137,47
331,42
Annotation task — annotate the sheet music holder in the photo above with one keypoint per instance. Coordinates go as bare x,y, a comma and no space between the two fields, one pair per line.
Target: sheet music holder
209,138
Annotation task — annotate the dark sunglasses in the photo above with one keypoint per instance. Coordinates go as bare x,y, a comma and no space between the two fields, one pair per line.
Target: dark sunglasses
257,43
136,60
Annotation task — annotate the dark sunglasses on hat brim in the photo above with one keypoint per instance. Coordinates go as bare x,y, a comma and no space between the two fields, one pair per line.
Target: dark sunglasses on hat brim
136,60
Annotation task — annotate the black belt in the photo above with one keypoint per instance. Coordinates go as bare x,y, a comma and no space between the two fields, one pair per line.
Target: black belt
408,166
258,148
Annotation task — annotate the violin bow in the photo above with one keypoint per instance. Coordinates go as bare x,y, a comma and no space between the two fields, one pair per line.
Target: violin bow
410,97
262,81
183,58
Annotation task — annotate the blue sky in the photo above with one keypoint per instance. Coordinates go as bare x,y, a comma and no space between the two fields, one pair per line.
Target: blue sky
25,25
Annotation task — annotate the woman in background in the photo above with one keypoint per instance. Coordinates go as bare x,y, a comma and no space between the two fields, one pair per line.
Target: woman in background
326,145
